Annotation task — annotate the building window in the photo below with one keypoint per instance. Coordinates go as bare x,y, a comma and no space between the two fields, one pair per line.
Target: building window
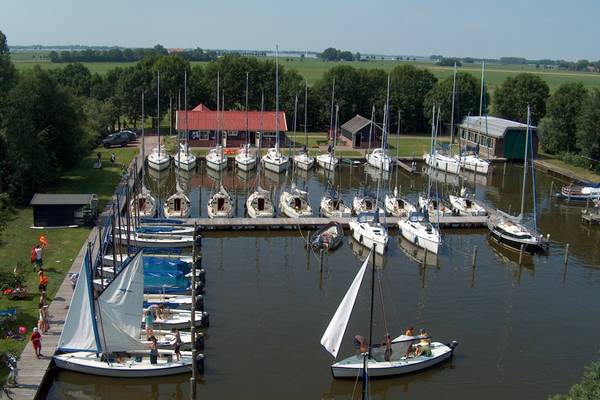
233,133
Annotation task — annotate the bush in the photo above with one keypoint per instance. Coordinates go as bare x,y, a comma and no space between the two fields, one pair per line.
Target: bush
8,280
587,389
579,161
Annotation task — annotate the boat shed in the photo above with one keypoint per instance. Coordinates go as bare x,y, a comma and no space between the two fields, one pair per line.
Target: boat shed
357,130
495,137
53,210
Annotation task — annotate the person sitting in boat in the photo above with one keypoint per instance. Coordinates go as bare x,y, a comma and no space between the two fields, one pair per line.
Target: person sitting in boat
360,343
410,331
423,347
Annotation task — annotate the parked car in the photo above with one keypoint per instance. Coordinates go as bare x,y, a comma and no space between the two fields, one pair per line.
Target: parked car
116,139
132,134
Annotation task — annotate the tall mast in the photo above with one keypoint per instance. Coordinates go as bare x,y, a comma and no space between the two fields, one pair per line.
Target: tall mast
158,107
332,99
143,123
431,155
247,114
482,84
452,113
525,161
305,114
365,393
398,145
294,137
260,134
277,98
218,136
185,105
371,127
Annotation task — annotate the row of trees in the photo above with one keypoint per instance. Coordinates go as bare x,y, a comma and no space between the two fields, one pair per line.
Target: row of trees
117,54
332,54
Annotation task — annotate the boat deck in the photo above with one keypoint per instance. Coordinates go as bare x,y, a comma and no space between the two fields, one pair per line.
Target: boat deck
222,224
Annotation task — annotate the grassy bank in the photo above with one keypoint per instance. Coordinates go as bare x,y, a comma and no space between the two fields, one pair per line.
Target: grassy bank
582,173
64,244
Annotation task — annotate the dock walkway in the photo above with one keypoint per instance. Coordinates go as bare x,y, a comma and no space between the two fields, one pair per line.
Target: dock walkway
221,224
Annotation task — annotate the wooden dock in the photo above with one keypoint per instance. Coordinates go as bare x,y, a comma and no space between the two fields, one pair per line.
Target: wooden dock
407,168
591,218
223,224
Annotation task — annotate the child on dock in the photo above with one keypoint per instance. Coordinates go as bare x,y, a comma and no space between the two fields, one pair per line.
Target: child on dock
36,341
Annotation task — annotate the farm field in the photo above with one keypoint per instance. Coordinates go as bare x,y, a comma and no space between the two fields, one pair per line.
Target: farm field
312,69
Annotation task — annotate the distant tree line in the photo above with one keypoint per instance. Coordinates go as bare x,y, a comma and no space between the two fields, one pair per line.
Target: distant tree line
580,65
332,54
117,54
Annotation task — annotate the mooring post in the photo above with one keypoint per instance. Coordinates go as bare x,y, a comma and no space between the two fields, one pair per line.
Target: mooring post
504,169
521,254
566,253
425,259
474,257
321,259
193,316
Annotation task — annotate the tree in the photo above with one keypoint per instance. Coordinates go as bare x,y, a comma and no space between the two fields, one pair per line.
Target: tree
587,389
8,73
558,128
43,132
449,62
329,54
468,90
76,78
588,126
409,86
3,45
512,97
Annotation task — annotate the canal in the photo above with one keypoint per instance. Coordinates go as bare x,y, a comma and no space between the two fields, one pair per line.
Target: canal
525,331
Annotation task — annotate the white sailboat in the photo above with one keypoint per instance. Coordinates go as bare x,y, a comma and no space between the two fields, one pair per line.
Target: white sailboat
215,158
259,203
177,205
397,205
471,160
156,240
416,228
395,357
220,204
101,335
329,161
303,160
143,204
464,204
158,159
274,160
294,203
184,159
245,159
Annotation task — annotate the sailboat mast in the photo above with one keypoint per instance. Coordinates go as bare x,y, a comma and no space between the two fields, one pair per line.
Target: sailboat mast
247,134
398,146
143,123
185,105
332,100
277,98
158,107
431,155
482,84
374,254
305,114
371,128
452,112
294,137
525,162
218,136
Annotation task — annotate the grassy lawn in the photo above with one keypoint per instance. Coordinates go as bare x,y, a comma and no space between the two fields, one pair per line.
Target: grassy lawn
582,173
64,244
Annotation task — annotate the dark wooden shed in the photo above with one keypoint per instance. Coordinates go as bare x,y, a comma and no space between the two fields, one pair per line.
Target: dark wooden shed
357,130
64,209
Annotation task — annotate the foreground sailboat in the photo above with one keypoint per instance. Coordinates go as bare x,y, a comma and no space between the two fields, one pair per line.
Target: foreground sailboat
100,336
294,203
395,357
143,204
177,205
220,204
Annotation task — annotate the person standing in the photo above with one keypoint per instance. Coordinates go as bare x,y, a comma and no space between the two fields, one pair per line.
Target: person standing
148,321
177,343
153,350
38,256
36,341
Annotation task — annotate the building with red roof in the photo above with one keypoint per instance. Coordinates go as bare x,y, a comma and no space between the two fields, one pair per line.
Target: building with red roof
203,124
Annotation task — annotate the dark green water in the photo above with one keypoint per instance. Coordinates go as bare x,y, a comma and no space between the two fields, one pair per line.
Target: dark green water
524,332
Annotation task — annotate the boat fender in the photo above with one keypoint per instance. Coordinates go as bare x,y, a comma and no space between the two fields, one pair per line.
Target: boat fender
205,320
199,263
200,363
199,241
199,341
452,345
200,287
198,230
200,302
202,275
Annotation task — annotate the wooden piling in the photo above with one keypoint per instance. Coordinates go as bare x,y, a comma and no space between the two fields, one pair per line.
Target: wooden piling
566,253
474,258
521,254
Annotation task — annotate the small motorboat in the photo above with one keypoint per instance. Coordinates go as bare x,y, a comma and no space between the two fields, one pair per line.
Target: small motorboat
178,319
584,192
328,237
155,240
220,204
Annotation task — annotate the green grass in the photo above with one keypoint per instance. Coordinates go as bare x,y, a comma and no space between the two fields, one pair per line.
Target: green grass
64,244
582,173
313,69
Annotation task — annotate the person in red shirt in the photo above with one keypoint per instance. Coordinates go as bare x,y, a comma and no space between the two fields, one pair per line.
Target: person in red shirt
36,341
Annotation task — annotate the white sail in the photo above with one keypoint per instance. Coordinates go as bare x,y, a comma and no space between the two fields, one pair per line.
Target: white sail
78,332
332,338
120,308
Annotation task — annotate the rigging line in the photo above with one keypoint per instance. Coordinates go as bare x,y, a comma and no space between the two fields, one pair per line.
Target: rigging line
356,382
385,324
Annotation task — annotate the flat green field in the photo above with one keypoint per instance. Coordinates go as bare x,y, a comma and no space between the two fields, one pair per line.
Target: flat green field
312,69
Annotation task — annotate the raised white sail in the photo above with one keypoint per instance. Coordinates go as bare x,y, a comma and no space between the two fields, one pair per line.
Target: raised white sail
120,307
78,332
332,338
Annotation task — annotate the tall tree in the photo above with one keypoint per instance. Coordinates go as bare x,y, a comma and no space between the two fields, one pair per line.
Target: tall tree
468,90
43,132
516,92
75,77
8,73
588,126
558,128
409,86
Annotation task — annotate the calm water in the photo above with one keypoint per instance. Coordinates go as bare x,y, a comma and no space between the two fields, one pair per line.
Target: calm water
524,332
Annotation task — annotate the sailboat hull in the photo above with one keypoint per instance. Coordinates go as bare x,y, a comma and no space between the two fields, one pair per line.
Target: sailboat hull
351,367
443,163
245,165
361,234
514,244
158,163
186,165
431,242
88,363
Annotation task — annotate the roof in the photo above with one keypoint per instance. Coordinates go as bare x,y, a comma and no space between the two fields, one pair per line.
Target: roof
357,123
202,118
47,199
492,126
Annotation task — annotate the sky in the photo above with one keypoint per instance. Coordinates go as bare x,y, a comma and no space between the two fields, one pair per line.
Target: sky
491,29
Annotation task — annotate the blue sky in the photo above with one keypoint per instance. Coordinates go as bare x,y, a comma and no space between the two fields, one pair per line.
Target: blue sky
533,29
